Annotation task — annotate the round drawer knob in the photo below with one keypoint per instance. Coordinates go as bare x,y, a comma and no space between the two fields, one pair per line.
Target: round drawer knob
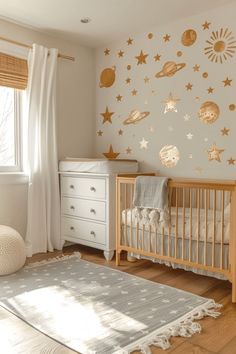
72,207
72,228
93,211
93,189
92,233
72,186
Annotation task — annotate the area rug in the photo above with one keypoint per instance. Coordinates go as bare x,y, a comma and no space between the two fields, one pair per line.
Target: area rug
95,309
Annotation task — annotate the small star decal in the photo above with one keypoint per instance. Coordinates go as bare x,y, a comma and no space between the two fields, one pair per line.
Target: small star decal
225,131
190,156
227,82
170,128
141,58
210,89
206,139
170,104
107,51
189,136
99,133
199,170
143,144
214,153
157,57
186,117
120,132
120,54
128,80
166,38
151,129
206,25
128,150
189,87
146,80
196,67
129,41
129,67
119,98
134,92
231,161
107,116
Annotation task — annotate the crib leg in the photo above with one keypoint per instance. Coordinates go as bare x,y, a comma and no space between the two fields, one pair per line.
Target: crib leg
234,291
117,258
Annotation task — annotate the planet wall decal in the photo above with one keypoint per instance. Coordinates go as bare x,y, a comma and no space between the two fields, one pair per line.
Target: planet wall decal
221,46
169,69
209,112
169,156
107,77
189,37
135,116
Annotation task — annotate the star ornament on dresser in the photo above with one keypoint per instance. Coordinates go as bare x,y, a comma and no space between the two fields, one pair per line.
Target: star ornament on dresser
214,153
170,104
111,154
143,144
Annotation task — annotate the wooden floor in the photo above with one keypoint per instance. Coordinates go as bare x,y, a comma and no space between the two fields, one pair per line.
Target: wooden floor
218,335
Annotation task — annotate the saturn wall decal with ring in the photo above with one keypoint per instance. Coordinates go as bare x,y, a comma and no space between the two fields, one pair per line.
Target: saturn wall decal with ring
107,77
169,69
135,116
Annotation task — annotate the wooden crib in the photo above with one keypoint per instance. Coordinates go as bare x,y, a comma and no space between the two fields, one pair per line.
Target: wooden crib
201,233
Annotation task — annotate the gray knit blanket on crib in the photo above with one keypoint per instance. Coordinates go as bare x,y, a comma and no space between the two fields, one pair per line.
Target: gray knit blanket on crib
151,201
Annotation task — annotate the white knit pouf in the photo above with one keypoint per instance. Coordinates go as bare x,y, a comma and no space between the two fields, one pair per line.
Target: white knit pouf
12,250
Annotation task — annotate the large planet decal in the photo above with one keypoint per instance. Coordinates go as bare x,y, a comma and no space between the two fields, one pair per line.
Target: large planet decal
169,156
135,116
189,37
209,112
107,77
169,69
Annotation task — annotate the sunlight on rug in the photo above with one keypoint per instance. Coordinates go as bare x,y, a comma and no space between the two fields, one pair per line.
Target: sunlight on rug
95,309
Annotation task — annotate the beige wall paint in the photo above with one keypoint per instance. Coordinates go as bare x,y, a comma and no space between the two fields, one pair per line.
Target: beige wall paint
75,105
192,137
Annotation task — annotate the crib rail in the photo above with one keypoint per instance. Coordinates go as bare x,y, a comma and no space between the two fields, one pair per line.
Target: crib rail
201,231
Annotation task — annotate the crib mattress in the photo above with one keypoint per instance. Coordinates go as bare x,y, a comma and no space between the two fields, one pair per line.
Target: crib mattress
98,165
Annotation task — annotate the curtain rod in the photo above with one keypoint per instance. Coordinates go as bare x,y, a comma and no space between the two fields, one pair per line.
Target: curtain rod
63,56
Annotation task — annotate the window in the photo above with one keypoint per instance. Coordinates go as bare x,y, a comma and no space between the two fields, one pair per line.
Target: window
10,130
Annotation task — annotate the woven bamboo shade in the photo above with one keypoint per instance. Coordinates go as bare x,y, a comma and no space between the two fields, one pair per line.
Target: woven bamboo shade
13,71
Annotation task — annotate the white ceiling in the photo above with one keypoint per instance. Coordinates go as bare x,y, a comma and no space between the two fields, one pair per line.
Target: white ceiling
111,19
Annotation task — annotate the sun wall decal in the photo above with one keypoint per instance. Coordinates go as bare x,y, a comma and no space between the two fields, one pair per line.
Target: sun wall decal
221,46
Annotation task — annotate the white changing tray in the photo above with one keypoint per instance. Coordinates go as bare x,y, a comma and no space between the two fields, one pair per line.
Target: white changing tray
98,165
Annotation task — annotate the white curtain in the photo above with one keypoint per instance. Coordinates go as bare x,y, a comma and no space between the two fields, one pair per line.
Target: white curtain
43,226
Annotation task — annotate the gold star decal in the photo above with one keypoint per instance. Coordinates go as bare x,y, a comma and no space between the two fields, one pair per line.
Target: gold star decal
227,82
120,132
128,150
206,25
129,41
99,133
196,67
141,58
107,51
214,153
225,131
119,98
231,161
170,104
146,80
157,57
120,54
134,92
166,38
111,154
107,116
128,80
210,89
189,87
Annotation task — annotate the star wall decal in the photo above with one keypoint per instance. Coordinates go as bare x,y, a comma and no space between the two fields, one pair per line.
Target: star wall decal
189,136
119,98
128,150
227,82
157,57
141,58
107,51
152,130
186,117
134,92
210,89
120,54
120,132
231,161
107,116
206,25
129,41
189,86
146,80
199,169
166,38
128,80
143,144
111,154
214,153
170,104
225,131
190,156
196,67
99,133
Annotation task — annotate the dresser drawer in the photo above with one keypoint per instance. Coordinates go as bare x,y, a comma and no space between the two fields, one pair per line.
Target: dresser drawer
84,187
84,230
83,208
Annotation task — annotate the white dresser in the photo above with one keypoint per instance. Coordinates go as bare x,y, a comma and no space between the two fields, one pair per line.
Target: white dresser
88,210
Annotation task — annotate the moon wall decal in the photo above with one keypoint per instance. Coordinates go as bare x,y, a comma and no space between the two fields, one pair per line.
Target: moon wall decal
107,77
169,156
189,37
209,112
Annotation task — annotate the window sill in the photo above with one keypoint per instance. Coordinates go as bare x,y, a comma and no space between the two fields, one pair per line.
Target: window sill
13,178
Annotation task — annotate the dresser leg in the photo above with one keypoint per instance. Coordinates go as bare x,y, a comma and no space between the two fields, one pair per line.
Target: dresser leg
108,255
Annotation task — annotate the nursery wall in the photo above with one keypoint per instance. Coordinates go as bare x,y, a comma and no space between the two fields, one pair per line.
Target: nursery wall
166,97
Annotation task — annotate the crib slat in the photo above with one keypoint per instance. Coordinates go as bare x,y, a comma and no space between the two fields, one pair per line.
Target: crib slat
169,229
214,230
137,235
176,221
222,228
125,202
190,224
183,236
198,222
143,229
162,241
206,191
131,216
149,238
